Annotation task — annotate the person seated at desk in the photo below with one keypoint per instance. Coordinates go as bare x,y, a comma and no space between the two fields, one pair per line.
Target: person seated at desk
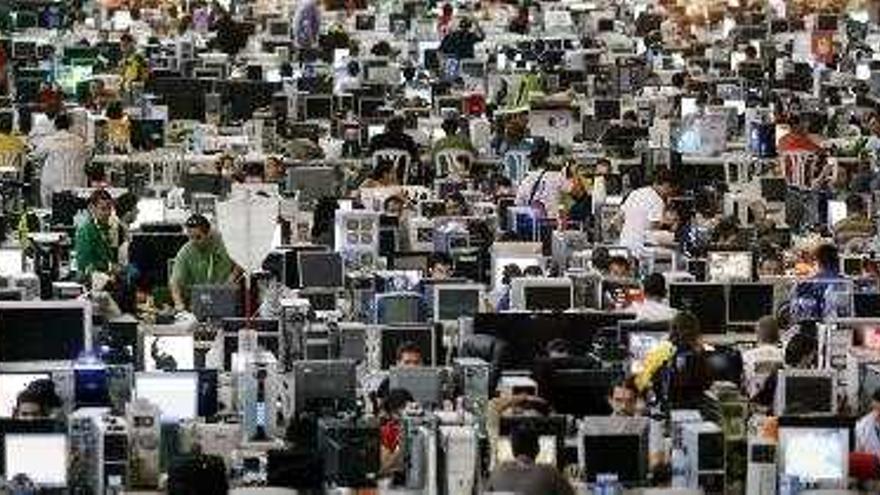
202,260
653,308
522,475
856,225
766,358
544,185
642,211
626,401
814,298
801,352
394,137
38,401
391,432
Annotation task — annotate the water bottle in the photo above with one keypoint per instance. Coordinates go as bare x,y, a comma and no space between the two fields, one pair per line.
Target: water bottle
679,467
601,485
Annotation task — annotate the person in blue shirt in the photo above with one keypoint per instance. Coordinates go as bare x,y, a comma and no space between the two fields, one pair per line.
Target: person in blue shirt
814,298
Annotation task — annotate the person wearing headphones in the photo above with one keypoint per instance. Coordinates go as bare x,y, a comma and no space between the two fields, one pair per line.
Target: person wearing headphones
202,260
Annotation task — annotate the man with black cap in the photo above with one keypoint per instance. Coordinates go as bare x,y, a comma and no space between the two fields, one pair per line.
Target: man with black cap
202,260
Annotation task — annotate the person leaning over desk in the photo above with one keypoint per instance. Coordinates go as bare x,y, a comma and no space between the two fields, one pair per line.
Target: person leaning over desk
202,260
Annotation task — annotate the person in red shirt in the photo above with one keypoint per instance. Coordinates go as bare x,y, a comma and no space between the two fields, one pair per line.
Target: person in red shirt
798,139
391,430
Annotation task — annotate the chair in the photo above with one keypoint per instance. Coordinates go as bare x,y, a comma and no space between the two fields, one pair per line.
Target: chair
799,167
452,161
399,158
516,165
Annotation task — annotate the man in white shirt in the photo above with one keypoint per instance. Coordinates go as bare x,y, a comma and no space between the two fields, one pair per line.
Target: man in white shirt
643,211
64,158
653,309
868,428
759,363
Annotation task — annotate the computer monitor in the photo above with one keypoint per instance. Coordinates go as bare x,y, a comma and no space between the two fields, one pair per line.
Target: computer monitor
409,261
312,184
215,301
774,189
324,384
748,303
10,261
836,211
852,266
423,382
551,438
369,108
707,301
730,266
866,305
150,253
616,445
423,336
453,301
174,393
168,352
818,456
12,384
318,107
802,392
561,379
320,269
605,109
278,27
541,294
42,457
399,308
54,331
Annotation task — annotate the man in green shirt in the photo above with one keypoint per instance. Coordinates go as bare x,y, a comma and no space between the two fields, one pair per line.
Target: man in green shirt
96,244
202,260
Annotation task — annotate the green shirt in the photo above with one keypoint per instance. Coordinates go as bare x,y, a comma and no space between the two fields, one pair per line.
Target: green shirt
94,249
454,142
200,265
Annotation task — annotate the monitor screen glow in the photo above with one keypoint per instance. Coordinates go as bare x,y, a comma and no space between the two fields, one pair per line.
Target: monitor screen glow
175,394
40,456
815,454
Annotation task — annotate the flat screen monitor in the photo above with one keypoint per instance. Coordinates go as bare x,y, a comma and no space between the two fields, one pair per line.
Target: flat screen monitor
707,301
615,445
748,303
560,379
805,393
42,457
866,305
543,294
12,384
730,266
370,108
312,184
607,109
836,211
150,254
393,336
399,308
280,28
43,330
320,269
423,382
169,352
174,393
815,455
215,301
452,301
318,107
417,261
318,384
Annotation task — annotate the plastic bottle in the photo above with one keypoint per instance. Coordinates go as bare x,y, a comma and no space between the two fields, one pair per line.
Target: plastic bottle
679,467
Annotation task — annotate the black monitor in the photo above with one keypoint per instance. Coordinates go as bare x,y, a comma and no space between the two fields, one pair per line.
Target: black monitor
185,97
150,254
827,22
370,108
409,261
278,27
547,298
423,336
527,334
319,385
866,305
318,107
748,303
43,330
707,301
774,189
317,269
244,97
147,134
561,379
452,301
617,445
215,301
284,263
605,109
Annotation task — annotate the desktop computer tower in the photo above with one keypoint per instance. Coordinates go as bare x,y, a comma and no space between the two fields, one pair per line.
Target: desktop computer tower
350,449
99,451
761,474
704,447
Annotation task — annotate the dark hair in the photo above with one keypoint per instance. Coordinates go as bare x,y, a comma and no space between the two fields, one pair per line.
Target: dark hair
197,221
395,125
62,122
684,330
450,126
7,121
114,110
828,258
439,258
524,442
533,271
855,204
382,168
406,348
663,176
876,395
628,383
560,346
99,195
396,399
800,346
253,169
618,260
40,392
654,286
392,199
198,474
510,272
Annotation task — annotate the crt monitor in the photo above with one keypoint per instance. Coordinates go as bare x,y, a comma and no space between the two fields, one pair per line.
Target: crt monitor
43,330
549,295
42,457
805,393
214,301
392,337
318,107
174,393
707,301
12,384
818,456
319,384
607,109
617,445
150,254
452,301
551,437
866,305
730,266
409,261
320,270
748,303
399,308
561,379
